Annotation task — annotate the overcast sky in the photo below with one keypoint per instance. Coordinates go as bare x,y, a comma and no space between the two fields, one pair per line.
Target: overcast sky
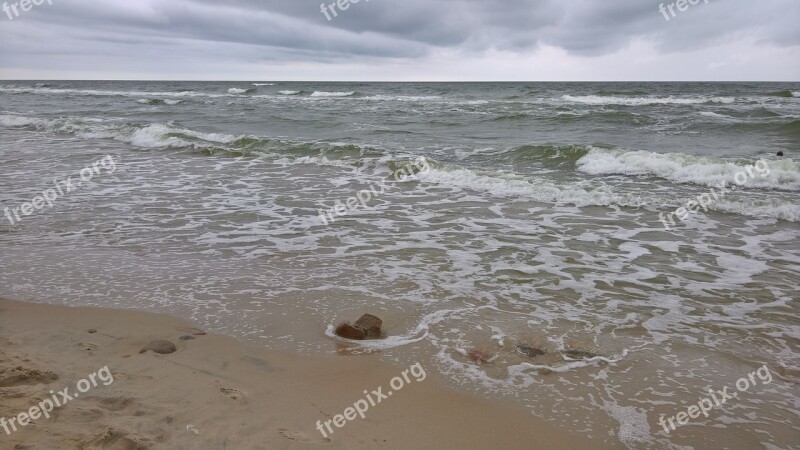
406,40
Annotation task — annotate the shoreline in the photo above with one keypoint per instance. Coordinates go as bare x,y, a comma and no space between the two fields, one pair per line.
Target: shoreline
218,392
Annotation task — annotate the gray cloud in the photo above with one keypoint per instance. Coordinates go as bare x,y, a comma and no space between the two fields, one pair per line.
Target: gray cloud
77,35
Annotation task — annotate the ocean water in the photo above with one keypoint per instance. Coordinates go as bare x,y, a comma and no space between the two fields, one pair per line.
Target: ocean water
537,219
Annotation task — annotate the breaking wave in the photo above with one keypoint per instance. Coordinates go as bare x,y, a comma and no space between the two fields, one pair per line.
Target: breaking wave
643,101
332,94
784,174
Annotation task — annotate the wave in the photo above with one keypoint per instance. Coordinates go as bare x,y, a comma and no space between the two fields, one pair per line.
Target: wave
263,84
786,93
512,117
154,135
332,94
613,117
403,98
749,114
239,91
715,115
170,135
770,208
792,128
585,193
158,101
643,101
682,168
779,126
103,93
549,155
637,92
509,185
290,92
785,173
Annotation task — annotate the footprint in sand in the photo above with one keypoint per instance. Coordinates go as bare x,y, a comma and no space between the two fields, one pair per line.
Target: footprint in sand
117,440
88,347
299,437
234,394
17,375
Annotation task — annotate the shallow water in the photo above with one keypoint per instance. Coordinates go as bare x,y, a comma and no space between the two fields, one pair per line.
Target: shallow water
536,220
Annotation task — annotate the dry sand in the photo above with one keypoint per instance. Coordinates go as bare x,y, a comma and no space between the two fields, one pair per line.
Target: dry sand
218,393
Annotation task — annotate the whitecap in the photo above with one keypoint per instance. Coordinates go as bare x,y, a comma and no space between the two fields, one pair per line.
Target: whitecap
332,94
643,101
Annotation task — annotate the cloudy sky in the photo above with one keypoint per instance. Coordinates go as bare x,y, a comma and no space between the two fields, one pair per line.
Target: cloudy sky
404,40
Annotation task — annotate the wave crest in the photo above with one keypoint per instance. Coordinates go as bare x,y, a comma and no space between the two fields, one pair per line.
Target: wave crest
643,101
332,94
682,168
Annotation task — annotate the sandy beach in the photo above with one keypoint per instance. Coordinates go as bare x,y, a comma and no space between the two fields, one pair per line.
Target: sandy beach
217,393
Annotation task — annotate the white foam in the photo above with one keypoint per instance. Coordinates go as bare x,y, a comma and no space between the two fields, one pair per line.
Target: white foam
331,94
716,115
403,98
289,92
683,168
570,365
536,189
420,332
643,101
95,92
9,120
155,135
263,84
237,91
768,208
634,429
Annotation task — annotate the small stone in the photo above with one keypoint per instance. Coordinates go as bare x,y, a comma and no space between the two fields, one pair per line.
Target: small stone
528,350
370,325
479,356
348,331
92,331
160,347
187,338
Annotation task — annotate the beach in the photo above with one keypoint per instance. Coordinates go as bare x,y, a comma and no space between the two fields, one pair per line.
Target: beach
217,393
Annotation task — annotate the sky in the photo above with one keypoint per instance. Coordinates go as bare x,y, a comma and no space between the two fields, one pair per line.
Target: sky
408,40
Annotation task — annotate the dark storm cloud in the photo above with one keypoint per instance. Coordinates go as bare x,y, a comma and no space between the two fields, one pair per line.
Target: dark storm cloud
296,30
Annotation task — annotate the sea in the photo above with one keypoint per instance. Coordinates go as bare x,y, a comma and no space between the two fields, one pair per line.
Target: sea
645,237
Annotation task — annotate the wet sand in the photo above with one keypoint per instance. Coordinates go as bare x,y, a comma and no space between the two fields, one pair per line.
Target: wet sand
218,393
